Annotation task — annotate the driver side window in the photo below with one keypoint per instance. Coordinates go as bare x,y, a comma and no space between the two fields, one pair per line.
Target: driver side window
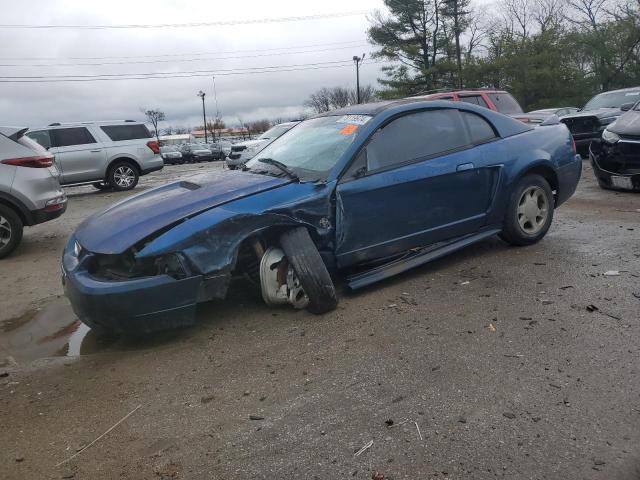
416,136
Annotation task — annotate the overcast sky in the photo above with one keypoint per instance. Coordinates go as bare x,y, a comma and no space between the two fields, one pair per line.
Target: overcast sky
249,96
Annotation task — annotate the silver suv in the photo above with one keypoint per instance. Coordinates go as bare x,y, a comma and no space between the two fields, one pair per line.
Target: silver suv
105,154
29,188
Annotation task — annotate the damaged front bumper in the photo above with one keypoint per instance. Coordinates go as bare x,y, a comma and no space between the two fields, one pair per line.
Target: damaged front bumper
616,166
132,305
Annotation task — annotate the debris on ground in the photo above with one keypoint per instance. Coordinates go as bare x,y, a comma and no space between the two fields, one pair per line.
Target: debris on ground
363,449
509,415
256,417
611,273
418,428
377,475
491,327
207,399
389,422
592,308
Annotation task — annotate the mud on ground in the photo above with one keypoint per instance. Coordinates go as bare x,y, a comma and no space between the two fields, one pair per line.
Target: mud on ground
496,354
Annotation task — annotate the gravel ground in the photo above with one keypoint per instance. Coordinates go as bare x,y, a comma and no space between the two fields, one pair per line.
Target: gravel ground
489,363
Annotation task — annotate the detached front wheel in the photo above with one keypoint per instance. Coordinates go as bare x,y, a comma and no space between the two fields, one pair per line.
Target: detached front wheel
530,211
310,270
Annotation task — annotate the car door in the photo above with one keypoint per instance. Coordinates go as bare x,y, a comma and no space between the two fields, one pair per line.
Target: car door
419,180
79,155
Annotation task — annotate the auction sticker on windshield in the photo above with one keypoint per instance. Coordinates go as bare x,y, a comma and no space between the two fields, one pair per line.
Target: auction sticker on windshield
354,119
349,129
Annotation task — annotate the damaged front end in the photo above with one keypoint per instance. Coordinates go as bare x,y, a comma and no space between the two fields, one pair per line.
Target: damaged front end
616,161
120,293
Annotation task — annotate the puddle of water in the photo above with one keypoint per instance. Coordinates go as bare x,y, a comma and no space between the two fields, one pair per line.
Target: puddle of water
50,331
53,330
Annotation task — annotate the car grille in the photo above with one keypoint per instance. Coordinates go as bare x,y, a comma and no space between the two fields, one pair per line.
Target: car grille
582,125
238,148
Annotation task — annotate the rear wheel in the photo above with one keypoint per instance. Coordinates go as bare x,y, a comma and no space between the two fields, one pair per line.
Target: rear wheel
530,211
310,270
10,230
123,176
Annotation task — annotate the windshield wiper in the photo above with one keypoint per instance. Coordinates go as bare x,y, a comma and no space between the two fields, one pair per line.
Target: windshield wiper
280,166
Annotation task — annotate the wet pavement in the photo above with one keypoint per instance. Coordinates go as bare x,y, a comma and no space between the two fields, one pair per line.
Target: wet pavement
494,362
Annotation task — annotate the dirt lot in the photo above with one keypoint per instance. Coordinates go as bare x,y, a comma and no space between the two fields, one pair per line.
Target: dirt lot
489,363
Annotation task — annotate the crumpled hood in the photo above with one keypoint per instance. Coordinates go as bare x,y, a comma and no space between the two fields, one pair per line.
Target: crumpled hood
126,223
627,124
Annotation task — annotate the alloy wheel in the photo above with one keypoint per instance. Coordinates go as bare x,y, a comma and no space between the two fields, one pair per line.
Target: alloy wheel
124,176
533,210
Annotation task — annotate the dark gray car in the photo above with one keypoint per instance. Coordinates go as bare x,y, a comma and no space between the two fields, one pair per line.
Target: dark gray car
603,109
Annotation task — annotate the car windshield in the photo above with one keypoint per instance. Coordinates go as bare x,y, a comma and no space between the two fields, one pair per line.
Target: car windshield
274,132
612,100
311,148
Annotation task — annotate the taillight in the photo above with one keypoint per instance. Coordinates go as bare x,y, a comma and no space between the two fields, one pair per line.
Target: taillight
154,146
41,161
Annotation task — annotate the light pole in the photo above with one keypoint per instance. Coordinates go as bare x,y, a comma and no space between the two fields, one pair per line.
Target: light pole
201,94
357,61
215,98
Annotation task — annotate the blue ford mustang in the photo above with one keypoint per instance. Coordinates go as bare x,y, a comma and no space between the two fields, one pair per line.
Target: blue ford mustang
366,192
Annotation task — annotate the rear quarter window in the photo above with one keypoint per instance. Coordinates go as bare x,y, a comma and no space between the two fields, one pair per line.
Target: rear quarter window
118,133
505,103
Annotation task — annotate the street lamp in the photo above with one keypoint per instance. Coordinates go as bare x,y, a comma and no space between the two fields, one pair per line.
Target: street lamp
201,94
357,61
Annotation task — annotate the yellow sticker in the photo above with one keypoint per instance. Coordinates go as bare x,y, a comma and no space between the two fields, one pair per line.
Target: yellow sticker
349,129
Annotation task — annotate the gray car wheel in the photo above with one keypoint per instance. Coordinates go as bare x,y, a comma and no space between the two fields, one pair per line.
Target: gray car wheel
10,230
123,176
530,211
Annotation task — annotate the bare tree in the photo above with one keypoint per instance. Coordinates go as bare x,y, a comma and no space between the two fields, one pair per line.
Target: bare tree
319,101
154,117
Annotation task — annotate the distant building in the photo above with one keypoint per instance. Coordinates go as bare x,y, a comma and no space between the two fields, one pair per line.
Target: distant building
176,139
224,132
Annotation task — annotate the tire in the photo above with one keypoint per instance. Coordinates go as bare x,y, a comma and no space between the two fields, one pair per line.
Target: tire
123,176
101,186
10,230
529,213
303,256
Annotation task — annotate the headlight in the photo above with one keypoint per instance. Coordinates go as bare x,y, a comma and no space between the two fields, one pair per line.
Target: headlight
610,137
607,120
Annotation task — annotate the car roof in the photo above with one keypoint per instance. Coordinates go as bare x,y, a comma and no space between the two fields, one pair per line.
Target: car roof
92,122
630,89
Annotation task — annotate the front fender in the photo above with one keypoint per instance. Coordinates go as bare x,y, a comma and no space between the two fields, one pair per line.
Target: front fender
210,241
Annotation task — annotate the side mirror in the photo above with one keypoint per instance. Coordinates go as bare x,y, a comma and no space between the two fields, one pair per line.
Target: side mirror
625,107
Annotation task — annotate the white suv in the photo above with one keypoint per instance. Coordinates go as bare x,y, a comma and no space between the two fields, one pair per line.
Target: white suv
105,154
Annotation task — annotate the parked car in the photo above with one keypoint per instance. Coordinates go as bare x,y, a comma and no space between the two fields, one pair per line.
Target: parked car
106,154
216,150
225,145
171,155
369,191
616,156
603,109
196,152
29,190
242,152
496,100
536,117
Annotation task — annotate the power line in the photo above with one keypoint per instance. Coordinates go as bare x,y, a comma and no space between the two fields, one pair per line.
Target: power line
143,74
222,23
141,62
178,75
161,55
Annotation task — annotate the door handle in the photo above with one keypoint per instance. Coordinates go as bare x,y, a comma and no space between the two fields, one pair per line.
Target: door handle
96,151
465,166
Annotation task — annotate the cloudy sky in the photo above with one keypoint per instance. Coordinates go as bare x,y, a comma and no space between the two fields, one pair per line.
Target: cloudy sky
58,53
